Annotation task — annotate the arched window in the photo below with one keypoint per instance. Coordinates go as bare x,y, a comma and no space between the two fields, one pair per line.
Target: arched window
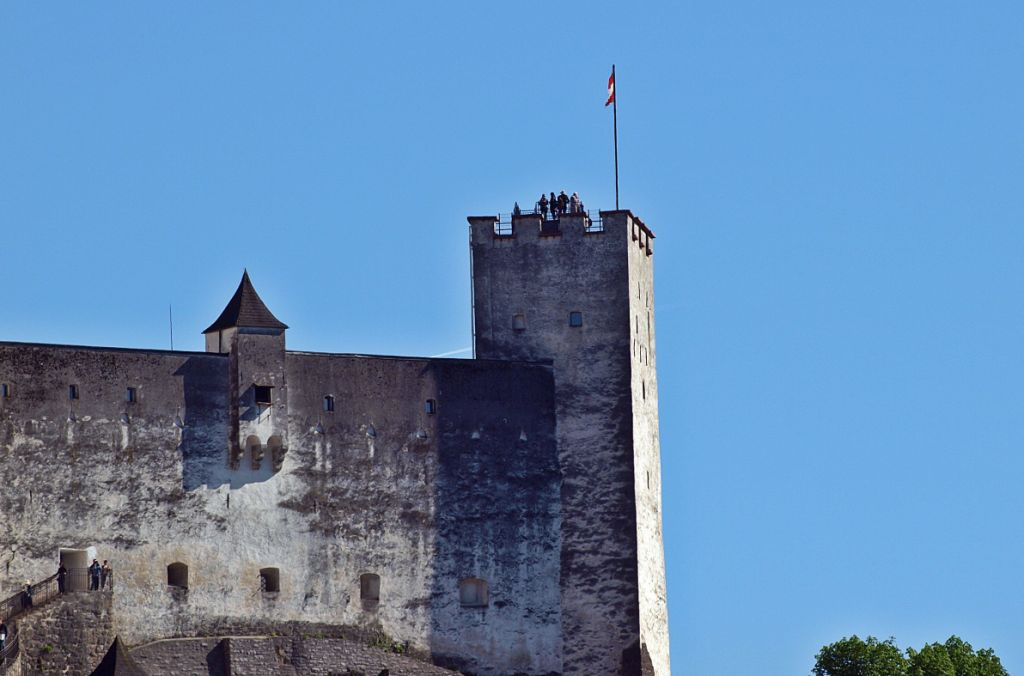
473,593
276,448
254,449
369,587
270,580
328,403
177,575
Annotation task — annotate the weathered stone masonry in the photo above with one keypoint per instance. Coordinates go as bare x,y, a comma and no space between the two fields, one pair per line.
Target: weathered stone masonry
510,504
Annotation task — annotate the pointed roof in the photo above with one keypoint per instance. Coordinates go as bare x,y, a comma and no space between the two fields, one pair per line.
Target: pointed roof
245,309
117,662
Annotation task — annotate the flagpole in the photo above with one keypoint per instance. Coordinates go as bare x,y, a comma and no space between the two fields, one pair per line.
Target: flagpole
615,134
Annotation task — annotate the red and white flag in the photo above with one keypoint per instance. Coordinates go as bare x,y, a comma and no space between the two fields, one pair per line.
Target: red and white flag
611,89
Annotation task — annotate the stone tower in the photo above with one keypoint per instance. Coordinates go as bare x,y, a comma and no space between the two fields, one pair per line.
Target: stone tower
580,293
258,392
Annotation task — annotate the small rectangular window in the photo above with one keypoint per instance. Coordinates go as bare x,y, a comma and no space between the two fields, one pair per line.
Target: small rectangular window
329,403
575,319
519,322
263,394
430,406
5,391
129,395
72,391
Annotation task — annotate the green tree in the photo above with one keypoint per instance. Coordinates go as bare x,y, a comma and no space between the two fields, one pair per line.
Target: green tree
933,660
966,662
855,657
871,657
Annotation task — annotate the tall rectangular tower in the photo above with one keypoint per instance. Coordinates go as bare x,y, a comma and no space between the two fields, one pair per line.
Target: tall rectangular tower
580,293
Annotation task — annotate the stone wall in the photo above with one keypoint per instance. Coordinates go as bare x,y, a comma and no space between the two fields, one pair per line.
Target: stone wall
647,453
69,634
379,485
182,657
299,654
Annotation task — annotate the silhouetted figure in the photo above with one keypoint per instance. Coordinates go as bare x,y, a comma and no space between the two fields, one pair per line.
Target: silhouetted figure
543,204
563,202
3,636
554,206
516,210
26,596
94,575
62,576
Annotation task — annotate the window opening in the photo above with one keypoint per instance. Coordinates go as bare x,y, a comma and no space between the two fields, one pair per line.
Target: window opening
72,391
519,322
329,403
643,388
270,580
5,391
263,394
129,395
430,406
369,587
177,575
575,319
473,593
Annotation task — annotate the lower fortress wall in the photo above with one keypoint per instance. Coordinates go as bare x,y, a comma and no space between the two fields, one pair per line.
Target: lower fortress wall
377,486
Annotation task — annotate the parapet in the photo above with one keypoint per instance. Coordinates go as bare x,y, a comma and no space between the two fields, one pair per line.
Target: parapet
513,229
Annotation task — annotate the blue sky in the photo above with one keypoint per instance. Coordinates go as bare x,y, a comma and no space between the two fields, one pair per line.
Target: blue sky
836,189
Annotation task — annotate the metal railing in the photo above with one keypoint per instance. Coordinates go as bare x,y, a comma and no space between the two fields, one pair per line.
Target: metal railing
9,652
549,222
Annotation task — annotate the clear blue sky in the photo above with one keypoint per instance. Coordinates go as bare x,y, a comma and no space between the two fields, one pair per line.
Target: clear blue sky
836,189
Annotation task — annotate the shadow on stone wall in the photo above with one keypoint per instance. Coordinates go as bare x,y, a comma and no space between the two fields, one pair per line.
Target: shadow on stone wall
498,519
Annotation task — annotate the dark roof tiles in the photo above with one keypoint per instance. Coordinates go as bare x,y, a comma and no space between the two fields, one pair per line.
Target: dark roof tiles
246,310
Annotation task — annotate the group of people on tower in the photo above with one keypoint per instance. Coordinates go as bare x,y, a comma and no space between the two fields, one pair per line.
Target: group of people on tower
556,205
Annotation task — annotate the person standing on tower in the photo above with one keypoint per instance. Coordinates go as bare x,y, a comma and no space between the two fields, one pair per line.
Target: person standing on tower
554,206
94,575
563,202
543,203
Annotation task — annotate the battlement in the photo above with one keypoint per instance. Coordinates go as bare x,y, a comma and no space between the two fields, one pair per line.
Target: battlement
529,227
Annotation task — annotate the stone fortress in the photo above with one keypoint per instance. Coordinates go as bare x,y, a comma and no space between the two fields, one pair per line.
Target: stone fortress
494,515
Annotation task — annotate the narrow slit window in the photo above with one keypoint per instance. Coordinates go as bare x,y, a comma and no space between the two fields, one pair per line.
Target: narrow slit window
519,322
270,580
177,575
575,319
264,394
72,392
5,391
329,403
473,593
130,395
430,406
369,587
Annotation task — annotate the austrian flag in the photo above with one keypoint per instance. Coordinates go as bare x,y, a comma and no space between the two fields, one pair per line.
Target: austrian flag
611,89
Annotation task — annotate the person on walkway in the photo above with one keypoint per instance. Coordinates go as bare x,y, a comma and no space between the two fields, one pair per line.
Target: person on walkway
554,206
106,575
516,210
62,576
543,204
563,202
94,575
574,204
3,636
26,596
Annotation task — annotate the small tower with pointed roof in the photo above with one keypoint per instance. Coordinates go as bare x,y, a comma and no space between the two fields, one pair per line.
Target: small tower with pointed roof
254,339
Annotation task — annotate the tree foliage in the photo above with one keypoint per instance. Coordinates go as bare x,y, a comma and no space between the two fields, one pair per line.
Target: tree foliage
854,656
